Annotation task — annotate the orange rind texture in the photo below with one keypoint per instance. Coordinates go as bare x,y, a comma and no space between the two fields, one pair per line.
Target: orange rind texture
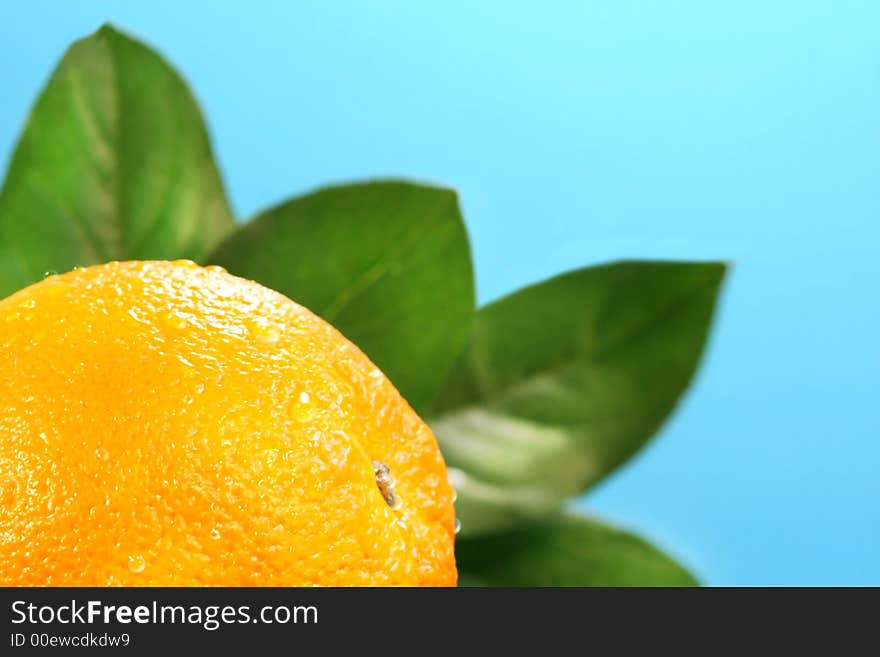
165,424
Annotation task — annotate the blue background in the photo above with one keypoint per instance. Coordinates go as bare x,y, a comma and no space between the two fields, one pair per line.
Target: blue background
579,132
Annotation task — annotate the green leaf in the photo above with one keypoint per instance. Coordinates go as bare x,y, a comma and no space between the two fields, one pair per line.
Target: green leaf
563,381
114,164
566,551
387,263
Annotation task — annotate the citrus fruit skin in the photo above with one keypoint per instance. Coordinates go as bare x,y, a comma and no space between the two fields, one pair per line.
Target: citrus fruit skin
164,424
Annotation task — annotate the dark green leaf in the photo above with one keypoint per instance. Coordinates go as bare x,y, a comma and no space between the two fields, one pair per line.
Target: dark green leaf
566,551
114,164
563,381
387,263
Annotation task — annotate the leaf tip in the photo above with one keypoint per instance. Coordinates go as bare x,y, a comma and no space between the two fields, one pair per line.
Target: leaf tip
107,29
113,34
717,271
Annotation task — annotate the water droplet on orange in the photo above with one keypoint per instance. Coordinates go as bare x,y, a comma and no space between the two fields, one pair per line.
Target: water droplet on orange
175,320
136,563
305,413
267,334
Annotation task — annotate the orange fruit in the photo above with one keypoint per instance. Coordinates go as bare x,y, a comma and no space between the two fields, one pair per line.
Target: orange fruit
167,424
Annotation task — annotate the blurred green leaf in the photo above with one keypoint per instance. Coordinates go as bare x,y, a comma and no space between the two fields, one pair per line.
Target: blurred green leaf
114,164
567,550
387,263
563,381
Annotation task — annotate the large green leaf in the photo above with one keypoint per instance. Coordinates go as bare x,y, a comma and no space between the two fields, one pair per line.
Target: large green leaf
114,164
563,381
567,550
387,263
